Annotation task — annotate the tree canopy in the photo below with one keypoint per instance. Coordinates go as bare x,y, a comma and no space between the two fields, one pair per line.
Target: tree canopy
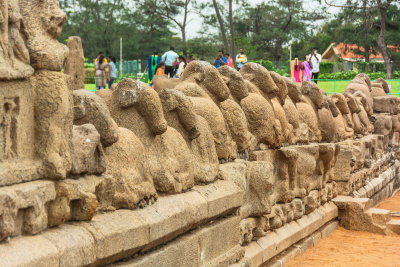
265,30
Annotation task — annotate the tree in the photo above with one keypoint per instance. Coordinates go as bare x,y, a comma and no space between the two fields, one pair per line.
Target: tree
170,10
274,24
221,25
221,13
101,23
382,6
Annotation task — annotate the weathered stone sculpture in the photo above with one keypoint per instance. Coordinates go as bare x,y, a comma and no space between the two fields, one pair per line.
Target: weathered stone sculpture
14,54
43,21
75,64
137,107
53,112
210,165
179,113
129,166
90,108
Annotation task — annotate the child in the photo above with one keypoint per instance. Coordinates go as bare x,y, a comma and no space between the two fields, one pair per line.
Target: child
160,69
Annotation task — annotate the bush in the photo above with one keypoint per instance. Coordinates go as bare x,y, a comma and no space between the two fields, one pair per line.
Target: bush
89,76
326,67
89,65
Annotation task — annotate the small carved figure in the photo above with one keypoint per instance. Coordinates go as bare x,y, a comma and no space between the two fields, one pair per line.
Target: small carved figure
6,122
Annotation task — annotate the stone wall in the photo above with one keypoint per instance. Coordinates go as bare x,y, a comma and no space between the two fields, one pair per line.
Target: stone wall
216,168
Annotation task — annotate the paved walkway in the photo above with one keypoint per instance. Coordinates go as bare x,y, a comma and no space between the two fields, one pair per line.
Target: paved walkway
351,248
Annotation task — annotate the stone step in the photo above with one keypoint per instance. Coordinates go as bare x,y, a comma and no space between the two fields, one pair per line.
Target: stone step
340,202
379,216
394,225
264,249
116,235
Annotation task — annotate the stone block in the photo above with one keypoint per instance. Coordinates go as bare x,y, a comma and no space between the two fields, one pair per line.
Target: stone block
235,172
87,152
380,216
29,251
329,228
215,244
394,225
218,238
342,168
340,202
223,197
253,255
182,252
117,235
229,258
179,214
76,246
268,245
25,203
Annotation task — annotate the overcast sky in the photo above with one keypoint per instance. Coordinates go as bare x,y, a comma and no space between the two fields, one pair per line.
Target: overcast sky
195,21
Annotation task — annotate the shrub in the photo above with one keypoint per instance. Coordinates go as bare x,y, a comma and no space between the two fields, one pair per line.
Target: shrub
326,67
89,76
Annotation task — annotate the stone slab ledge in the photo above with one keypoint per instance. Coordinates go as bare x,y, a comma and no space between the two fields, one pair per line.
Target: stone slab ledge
116,235
264,249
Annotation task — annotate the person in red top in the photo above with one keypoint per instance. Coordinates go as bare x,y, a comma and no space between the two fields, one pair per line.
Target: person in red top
230,61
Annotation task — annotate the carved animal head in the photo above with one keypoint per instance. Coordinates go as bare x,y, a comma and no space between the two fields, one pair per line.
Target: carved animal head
208,77
261,78
340,102
283,90
235,82
312,90
130,93
352,103
294,91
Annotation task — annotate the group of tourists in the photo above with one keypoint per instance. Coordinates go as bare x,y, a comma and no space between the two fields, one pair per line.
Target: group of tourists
222,59
173,65
308,69
105,71
170,64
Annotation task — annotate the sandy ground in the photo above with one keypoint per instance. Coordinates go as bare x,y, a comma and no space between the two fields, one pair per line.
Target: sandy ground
392,204
351,248
346,248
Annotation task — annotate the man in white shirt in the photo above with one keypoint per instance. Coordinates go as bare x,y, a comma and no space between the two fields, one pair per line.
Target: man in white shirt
170,58
315,60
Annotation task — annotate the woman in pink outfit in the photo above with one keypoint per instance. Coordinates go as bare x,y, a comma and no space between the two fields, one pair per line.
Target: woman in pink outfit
307,67
295,69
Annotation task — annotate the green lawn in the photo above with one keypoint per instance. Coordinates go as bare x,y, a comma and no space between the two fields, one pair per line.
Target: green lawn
90,87
338,86
329,86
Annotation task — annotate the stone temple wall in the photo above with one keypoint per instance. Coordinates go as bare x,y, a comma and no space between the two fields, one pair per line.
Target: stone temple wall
216,168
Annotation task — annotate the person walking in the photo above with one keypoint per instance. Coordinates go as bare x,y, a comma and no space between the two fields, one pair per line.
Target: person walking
295,69
112,70
230,61
182,66
100,68
306,66
152,63
220,60
241,59
170,58
315,59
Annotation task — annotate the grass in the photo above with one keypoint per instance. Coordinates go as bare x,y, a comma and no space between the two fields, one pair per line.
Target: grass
329,86
338,86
